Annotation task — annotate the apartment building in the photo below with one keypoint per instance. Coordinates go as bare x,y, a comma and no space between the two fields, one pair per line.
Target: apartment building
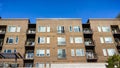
57,42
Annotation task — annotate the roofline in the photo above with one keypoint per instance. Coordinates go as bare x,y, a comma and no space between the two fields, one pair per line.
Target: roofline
103,18
58,18
14,18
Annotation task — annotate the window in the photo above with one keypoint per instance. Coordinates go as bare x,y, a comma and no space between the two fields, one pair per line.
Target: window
60,29
71,39
61,53
79,52
48,52
101,40
10,40
78,40
108,40
104,52
41,29
18,29
105,29
48,39
72,52
40,52
111,52
48,29
16,40
41,40
70,29
7,51
40,65
76,29
99,28
61,41
11,28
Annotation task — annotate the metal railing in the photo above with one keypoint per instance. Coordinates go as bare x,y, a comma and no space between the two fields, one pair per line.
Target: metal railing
31,31
87,30
29,55
91,56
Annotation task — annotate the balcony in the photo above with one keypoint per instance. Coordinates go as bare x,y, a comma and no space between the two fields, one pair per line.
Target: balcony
29,55
1,42
31,31
117,42
2,31
115,29
87,31
91,56
30,42
89,42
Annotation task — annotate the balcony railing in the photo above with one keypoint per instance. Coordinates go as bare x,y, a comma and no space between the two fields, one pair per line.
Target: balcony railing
87,31
89,43
31,31
91,56
30,43
29,55
1,42
2,31
115,31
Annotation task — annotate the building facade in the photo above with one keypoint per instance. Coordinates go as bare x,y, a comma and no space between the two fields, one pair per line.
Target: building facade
52,42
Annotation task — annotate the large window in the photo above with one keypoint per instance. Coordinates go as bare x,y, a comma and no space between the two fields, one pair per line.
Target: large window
111,52
40,52
60,29
80,52
10,40
41,29
78,40
76,29
11,28
41,40
61,53
108,40
14,29
61,41
105,28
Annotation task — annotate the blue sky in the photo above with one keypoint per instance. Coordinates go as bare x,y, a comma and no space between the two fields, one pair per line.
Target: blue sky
59,9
